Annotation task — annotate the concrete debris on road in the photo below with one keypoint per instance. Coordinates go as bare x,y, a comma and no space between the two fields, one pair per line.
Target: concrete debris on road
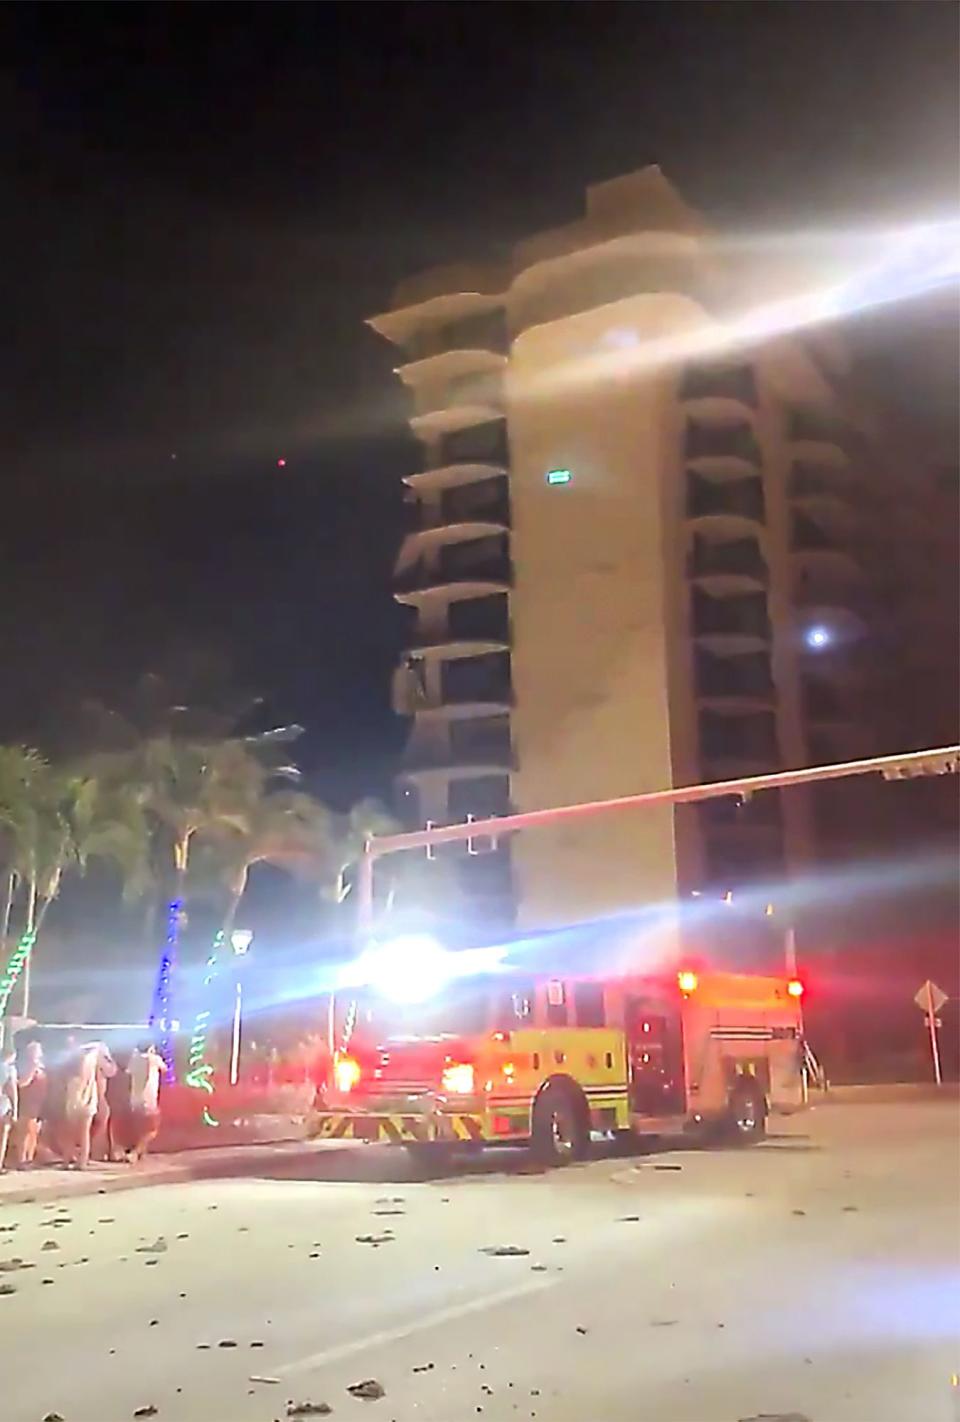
146,1411
375,1239
52,1417
369,1390
504,1251
776,1417
14,1265
227,1343
261,1378
308,1409
6,1289
159,1246
49,1244
425,1368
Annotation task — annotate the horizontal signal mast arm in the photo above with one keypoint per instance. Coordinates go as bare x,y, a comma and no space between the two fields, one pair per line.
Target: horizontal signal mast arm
892,767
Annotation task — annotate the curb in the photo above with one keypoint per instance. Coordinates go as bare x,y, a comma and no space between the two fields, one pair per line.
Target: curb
57,1184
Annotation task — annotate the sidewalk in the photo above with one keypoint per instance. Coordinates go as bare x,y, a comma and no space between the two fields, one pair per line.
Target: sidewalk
18,1187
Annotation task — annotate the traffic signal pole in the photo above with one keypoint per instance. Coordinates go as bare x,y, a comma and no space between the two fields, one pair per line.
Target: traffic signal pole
912,764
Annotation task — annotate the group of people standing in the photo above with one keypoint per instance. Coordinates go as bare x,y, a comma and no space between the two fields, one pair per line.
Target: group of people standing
90,1103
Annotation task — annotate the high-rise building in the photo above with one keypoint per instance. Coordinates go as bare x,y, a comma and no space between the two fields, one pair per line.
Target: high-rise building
634,558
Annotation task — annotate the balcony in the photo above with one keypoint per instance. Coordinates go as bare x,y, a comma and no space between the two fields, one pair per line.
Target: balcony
460,688
484,331
472,568
720,393
472,680
744,679
479,444
472,745
727,568
471,399
749,742
737,500
486,500
721,451
730,624
822,437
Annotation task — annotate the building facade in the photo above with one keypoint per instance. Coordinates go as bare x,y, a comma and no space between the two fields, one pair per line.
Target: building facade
633,560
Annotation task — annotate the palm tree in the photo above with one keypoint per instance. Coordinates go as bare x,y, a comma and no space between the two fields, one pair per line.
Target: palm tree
285,828
22,770
195,774
57,820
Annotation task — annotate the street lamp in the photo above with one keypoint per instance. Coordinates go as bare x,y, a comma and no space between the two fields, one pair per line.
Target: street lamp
240,940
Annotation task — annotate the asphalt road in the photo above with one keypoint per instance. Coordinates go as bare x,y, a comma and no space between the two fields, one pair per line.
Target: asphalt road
814,1277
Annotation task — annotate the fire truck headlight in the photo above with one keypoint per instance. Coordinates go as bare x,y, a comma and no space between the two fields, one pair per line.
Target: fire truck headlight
795,987
346,1073
457,1079
687,981
408,969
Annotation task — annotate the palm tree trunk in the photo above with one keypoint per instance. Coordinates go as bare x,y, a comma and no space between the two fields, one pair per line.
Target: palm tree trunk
32,927
7,909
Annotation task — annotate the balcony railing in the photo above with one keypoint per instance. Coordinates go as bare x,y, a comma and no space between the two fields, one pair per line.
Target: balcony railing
482,560
484,619
742,676
743,616
738,738
477,444
482,751
739,558
477,679
482,742
485,501
724,382
721,442
486,331
742,498
816,427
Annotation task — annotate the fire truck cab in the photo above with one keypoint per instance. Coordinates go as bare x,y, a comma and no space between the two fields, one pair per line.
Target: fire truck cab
550,1061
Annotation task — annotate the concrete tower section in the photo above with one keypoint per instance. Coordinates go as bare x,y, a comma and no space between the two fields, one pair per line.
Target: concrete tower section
633,564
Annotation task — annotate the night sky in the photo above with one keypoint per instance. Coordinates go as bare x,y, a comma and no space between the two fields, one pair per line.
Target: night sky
202,203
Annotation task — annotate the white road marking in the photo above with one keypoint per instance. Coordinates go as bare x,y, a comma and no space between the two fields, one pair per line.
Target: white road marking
419,1325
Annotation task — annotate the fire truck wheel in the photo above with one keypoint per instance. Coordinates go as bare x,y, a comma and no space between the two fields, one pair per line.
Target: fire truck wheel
561,1124
747,1116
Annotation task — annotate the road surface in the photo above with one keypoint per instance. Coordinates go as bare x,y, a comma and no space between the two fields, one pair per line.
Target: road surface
815,1277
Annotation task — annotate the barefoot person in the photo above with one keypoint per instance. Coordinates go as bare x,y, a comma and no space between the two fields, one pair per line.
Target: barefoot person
32,1087
146,1066
92,1064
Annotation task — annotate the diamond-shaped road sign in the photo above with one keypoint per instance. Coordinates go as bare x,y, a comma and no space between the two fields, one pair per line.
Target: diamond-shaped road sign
930,996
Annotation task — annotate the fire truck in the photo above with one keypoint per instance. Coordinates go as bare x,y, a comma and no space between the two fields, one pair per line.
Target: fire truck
475,1054
500,1056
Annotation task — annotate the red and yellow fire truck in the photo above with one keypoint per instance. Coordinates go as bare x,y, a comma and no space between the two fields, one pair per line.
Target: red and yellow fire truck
500,1057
